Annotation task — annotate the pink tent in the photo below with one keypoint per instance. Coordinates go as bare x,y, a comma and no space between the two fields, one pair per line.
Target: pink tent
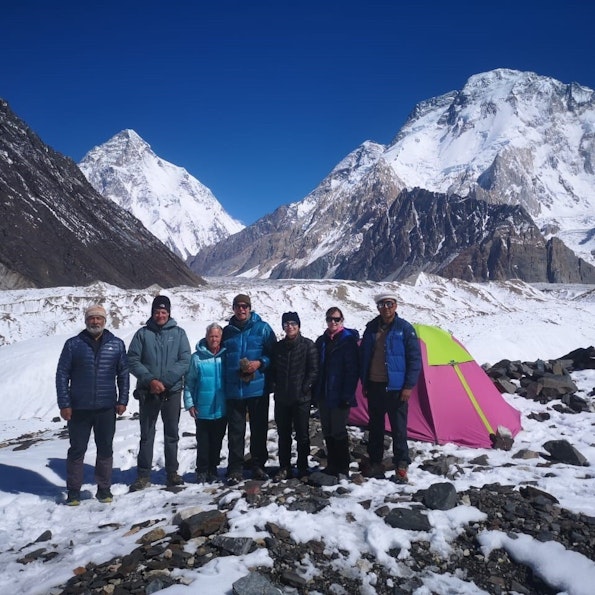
454,400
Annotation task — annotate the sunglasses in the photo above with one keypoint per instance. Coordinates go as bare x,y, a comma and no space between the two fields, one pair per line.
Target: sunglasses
386,304
333,319
242,306
290,323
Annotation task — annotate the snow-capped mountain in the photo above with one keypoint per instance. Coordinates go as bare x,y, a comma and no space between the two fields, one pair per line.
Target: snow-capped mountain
507,138
57,230
179,210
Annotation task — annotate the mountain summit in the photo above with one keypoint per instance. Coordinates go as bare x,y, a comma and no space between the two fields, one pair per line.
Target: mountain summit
179,210
494,181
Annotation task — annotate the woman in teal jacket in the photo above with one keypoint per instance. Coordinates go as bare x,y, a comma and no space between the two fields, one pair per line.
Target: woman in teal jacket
204,399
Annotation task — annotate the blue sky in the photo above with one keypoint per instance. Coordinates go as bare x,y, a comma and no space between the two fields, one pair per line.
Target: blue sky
259,100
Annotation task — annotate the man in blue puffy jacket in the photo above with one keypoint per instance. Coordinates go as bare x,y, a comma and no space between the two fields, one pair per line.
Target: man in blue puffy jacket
159,355
249,342
90,365
390,365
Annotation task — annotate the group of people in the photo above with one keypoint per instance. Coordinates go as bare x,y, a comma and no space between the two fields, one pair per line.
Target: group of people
227,380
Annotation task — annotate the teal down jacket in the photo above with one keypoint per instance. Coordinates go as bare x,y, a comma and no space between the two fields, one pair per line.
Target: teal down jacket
161,353
203,385
254,341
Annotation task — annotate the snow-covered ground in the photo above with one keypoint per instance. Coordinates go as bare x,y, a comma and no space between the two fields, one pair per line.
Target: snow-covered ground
495,321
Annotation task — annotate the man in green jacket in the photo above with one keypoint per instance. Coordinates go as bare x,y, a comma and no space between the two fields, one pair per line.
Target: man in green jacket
159,355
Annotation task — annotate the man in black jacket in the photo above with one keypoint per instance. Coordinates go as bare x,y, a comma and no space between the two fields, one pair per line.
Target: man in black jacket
89,366
295,367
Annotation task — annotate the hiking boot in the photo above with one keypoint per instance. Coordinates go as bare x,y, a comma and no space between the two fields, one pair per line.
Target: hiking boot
303,474
259,473
104,495
375,471
201,477
234,477
140,483
401,475
212,476
73,498
173,479
283,474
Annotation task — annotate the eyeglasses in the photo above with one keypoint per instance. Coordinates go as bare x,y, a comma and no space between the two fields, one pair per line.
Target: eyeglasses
386,304
242,306
290,323
333,319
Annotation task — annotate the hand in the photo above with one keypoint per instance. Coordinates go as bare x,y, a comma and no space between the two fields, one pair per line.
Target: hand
192,412
406,394
120,409
66,413
156,387
253,366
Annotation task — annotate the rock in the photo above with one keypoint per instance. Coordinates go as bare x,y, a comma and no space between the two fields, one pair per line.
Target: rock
237,546
440,496
564,452
406,518
254,584
203,523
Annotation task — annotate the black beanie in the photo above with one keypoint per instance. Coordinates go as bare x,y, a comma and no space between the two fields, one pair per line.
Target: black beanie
161,302
290,317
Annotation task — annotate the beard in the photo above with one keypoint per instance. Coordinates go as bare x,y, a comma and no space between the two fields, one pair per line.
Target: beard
95,329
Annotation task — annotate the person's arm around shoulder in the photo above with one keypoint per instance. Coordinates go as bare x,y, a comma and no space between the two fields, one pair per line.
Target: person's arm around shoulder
412,361
135,354
123,379
190,383
269,345
311,366
176,372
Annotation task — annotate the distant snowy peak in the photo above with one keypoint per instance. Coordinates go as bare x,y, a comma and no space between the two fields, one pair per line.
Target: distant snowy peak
509,137
179,210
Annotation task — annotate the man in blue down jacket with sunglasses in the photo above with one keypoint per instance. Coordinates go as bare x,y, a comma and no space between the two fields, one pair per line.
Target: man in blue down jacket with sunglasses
249,343
390,365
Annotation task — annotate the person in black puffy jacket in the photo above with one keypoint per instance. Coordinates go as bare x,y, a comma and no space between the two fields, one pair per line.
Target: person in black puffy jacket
90,366
294,368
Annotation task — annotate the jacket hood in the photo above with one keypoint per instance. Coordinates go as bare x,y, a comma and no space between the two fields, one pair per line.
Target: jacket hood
204,352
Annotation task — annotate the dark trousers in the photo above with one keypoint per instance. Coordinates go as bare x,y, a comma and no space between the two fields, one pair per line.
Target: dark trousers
150,407
209,437
257,409
380,403
334,421
288,418
103,424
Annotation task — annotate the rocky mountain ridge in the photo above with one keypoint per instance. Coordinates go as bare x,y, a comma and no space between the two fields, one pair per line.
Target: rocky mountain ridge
507,138
57,230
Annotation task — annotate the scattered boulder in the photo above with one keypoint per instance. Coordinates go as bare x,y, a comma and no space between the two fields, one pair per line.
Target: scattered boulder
203,523
440,496
255,584
408,519
563,452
